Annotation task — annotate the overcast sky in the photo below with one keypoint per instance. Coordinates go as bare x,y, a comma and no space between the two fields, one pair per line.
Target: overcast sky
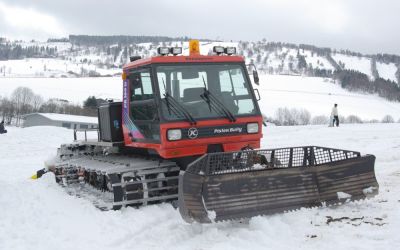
368,26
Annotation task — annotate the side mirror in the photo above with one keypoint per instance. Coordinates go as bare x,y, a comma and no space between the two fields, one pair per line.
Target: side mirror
258,94
256,78
135,80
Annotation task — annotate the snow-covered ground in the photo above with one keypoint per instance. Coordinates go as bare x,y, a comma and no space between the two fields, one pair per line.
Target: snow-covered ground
317,61
39,215
315,94
387,71
52,67
74,90
362,64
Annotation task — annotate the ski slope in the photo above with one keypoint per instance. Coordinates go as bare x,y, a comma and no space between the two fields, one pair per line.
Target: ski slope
315,94
40,215
387,71
361,64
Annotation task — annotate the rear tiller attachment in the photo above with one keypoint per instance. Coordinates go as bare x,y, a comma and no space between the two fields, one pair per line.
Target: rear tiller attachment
225,186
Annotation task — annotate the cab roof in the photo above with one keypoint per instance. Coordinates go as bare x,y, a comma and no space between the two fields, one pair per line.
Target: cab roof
183,59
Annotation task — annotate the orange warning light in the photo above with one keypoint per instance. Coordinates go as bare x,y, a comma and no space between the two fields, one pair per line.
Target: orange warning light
194,47
124,76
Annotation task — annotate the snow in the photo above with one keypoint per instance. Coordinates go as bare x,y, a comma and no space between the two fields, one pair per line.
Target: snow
387,71
75,90
317,61
40,215
51,67
342,195
74,60
361,64
71,118
317,95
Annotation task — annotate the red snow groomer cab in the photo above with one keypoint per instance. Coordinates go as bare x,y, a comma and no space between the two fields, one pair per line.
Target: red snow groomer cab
180,106
188,129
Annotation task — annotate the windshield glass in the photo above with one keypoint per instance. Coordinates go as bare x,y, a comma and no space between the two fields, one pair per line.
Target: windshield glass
186,83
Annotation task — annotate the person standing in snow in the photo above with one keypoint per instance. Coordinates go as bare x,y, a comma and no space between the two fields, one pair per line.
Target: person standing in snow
2,129
335,115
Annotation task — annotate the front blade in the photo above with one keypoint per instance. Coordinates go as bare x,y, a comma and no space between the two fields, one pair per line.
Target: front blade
233,193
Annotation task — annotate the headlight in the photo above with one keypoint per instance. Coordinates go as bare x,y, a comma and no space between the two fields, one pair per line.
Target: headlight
174,134
252,128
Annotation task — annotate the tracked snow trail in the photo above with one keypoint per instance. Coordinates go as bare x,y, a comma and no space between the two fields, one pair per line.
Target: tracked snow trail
40,215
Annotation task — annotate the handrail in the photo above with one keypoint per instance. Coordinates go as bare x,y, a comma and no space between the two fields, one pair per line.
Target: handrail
85,131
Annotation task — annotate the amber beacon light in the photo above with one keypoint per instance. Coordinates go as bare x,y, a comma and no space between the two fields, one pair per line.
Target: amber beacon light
194,47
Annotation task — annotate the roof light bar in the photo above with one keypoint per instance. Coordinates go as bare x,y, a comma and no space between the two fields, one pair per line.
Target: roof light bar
218,50
176,51
230,50
221,50
163,51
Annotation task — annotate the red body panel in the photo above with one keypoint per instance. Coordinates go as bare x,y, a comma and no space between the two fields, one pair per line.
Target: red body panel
188,147
183,59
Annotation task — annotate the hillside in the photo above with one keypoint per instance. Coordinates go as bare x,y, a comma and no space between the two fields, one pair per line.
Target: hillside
104,56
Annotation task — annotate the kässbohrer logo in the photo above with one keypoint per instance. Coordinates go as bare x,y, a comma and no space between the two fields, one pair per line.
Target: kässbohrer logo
193,133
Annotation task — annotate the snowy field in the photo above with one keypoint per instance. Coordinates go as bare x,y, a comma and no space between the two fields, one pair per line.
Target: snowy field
52,67
315,94
39,215
75,90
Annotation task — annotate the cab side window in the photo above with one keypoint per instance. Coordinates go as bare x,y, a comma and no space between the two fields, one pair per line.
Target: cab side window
143,109
141,88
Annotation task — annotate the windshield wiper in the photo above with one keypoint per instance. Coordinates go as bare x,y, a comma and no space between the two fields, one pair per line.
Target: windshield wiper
171,101
211,100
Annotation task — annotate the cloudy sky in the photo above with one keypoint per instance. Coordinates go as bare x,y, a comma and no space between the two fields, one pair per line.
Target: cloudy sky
368,26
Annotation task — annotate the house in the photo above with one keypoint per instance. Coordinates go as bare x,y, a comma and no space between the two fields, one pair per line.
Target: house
60,120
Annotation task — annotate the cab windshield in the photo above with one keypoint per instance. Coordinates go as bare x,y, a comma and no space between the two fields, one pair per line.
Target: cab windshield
204,91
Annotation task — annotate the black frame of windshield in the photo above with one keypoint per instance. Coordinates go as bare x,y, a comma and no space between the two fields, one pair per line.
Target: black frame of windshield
158,98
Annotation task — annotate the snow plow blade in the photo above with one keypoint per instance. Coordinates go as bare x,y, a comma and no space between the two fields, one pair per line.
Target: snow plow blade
229,186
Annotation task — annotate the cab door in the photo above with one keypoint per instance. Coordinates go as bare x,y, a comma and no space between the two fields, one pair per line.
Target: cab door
143,108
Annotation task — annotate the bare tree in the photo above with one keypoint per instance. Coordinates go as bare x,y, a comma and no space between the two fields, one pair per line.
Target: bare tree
303,117
387,119
292,117
353,119
22,98
7,110
37,101
320,119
